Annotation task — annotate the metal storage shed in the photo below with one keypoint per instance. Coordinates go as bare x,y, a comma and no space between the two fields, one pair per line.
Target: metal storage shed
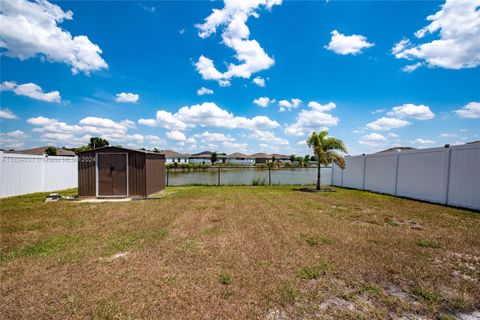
120,172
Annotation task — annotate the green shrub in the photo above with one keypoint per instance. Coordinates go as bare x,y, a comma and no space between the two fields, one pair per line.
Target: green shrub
258,181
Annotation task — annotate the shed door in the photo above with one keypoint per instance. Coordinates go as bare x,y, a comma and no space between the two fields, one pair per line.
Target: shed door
112,174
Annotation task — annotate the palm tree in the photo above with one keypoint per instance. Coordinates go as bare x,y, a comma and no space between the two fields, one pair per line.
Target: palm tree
326,151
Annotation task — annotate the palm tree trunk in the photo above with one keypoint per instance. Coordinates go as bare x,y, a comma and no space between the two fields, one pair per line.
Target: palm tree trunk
318,177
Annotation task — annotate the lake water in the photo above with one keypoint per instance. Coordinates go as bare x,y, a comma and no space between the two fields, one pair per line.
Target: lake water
248,176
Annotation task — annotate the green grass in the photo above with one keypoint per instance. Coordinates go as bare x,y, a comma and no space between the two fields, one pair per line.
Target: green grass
426,294
314,271
236,252
316,240
428,244
224,278
44,248
288,293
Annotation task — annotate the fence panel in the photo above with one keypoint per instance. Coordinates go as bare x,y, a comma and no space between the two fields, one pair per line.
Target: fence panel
60,173
464,180
337,174
443,175
353,173
381,172
301,176
422,174
22,174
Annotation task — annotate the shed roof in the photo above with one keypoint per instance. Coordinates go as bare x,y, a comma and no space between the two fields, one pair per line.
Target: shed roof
122,148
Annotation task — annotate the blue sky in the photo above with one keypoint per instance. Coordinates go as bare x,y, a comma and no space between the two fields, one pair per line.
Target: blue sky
377,74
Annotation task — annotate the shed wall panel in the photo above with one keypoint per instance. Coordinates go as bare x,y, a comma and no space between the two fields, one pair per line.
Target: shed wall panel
155,174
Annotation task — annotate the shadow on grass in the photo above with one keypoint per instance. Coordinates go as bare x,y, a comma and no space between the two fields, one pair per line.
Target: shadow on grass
313,189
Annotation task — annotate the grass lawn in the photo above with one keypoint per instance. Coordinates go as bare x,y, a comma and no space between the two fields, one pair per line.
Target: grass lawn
238,253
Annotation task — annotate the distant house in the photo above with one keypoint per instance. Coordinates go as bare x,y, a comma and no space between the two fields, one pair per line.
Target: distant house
282,158
241,159
205,158
174,157
41,151
397,149
262,157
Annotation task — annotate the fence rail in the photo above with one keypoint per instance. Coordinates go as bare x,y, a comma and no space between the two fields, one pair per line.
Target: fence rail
443,175
22,174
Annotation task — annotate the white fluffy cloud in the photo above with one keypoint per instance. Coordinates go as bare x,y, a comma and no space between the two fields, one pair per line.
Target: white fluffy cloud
233,18
127,97
312,120
323,108
164,119
7,114
214,137
56,131
289,105
207,114
263,101
457,24
31,28
13,139
344,45
259,81
267,136
176,135
203,91
470,111
418,112
384,124
373,140
238,147
422,141
31,90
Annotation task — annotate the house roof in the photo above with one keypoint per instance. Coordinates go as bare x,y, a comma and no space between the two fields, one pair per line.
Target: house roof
398,149
207,154
280,156
41,150
173,154
238,155
261,155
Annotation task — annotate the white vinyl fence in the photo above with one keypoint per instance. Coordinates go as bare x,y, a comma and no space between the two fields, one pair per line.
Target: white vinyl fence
443,175
22,173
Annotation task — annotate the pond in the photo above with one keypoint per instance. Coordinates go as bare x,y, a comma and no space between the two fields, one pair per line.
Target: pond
247,176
